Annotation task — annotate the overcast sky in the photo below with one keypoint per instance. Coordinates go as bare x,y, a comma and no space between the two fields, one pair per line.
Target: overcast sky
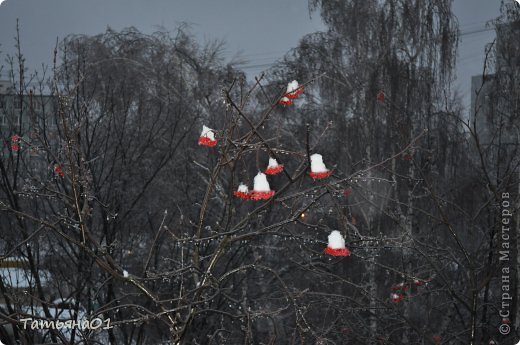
261,31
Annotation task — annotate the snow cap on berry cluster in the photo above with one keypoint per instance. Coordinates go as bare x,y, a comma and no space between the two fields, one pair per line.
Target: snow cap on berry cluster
260,183
317,165
336,241
207,133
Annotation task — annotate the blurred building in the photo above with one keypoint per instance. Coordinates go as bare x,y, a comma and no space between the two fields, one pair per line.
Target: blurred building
482,109
29,116
24,112
495,97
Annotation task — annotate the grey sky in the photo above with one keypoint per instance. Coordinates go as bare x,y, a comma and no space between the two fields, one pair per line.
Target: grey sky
261,30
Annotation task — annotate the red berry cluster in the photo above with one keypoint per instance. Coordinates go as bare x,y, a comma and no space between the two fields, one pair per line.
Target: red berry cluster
15,143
